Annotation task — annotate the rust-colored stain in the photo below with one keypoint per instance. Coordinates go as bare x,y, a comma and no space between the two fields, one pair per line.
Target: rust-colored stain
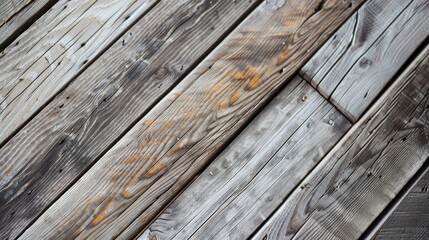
6,170
254,83
235,96
103,213
126,194
148,122
223,104
156,169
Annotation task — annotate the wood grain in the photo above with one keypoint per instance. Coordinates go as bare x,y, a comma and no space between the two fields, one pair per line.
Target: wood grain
410,220
366,170
358,62
174,141
15,20
55,50
98,107
247,181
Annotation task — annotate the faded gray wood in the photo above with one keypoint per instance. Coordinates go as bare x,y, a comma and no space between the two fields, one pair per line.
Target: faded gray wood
410,220
247,181
364,172
140,174
366,53
98,107
55,49
13,21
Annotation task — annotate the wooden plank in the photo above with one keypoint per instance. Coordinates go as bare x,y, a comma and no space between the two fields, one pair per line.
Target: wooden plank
14,21
174,141
96,109
247,181
410,220
373,45
365,171
62,43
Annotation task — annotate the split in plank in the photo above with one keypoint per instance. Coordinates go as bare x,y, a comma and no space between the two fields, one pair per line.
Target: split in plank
97,108
366,170
246,182
138,176
363,57
53,51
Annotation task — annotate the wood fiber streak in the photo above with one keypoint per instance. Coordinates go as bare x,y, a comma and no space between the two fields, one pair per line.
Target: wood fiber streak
247,181
98,107
54,50
138,176
366,170
358,62
20,18
10,8
411,219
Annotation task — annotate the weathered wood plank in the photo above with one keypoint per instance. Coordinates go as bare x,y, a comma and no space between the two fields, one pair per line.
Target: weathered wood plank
98,107
10,8
56,49
14,22
247,181
366,170
174,141
373,45
410,220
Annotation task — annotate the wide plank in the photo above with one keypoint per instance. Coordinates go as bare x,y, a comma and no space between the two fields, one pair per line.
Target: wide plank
366,170
54,50
97,108
410,220
363,57
140,174
252,176
15,20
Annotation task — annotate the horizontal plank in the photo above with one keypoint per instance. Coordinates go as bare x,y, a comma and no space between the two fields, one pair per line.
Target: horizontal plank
247,181
16,21
358,62
97,108
364,172
54,50
179,136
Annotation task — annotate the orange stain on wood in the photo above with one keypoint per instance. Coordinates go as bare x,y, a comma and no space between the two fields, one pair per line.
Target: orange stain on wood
6,171
156,169
126,194
148,122
103,213
235,96
223,104
254,83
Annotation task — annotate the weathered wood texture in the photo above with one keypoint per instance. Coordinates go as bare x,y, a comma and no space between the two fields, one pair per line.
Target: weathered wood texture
247,181
411,219
365,171
18,16
373,45
138,176
97,108
55,49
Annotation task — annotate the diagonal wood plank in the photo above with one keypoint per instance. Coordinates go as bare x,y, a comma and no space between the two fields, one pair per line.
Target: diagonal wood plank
373,45
366,170
14,21
247,181
97,108
55,49
410,220
173,142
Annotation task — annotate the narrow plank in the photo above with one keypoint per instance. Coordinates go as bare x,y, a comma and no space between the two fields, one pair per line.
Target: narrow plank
366,170
21,17
247,181
410,220
373,45
174,141
99,106
55,49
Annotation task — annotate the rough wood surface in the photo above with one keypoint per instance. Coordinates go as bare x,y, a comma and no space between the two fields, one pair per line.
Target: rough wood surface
174,141
247,181
55,49
97,108
365,171
16,20
373,45
411,219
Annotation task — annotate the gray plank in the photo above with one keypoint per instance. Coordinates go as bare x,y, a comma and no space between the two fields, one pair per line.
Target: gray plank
366,53
18,16
54,50
97,108
178,137
252,176
364,172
